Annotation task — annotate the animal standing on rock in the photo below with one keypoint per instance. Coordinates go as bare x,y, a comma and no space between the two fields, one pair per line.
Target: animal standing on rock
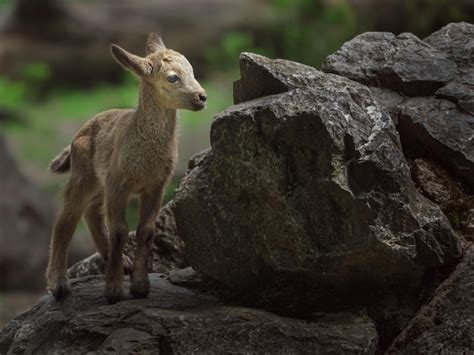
116,154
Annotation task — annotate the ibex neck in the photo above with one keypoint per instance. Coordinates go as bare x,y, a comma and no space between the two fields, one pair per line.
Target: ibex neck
151,117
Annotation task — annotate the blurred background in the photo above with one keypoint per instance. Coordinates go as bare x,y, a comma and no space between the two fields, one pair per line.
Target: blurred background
56,72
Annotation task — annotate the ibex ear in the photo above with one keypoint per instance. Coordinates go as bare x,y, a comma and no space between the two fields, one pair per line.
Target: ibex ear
137,65
154,43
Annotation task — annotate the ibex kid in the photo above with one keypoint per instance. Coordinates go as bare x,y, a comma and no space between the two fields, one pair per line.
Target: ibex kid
119,153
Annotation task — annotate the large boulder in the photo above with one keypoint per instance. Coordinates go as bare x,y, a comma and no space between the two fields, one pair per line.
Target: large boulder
26,217
176,320
457,41
446,324
437,126
402,63
307,185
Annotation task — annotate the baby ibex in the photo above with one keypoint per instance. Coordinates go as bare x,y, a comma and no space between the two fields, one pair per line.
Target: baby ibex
119,153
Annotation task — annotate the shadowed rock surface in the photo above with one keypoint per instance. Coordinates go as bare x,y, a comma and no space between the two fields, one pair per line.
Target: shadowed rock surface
167,250
176,320
446,324
439,129
25,223
307,186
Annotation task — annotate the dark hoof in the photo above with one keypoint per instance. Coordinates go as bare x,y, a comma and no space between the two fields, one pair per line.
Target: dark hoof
113,294
140,288
62,290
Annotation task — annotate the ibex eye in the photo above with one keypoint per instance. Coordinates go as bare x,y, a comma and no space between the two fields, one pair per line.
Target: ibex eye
173,78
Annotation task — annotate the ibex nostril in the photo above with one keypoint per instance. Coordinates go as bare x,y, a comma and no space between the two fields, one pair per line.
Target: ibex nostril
203,97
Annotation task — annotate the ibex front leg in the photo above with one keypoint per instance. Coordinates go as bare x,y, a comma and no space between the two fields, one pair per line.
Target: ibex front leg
150,202
116,204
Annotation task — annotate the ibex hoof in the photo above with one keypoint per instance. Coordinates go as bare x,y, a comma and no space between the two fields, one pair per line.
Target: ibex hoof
140,288
61,290
113,293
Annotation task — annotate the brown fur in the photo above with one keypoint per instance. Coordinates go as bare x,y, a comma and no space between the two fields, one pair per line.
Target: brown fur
119,153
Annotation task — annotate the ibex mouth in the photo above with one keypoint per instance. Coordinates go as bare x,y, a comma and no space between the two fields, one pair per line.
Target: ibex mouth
197,106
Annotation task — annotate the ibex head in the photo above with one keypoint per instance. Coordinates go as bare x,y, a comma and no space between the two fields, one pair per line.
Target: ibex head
168,73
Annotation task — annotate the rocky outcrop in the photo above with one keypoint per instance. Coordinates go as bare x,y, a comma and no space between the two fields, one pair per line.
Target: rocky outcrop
401,63
437,126
25,223
166,255
455,40
446,324
309,185
176,320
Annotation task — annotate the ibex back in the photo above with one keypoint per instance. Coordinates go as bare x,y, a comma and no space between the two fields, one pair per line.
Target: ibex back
119,153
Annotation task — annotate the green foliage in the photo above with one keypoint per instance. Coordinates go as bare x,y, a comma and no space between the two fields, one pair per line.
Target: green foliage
13,94
35,72
227,53
302,30
309,30
5,3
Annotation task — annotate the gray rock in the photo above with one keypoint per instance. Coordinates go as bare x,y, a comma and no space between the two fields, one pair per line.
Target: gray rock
444,189
308,186
446,324
92,265
401,63
167,250
457,41
460,91
390,100
26,217
437,128
176,320
261,76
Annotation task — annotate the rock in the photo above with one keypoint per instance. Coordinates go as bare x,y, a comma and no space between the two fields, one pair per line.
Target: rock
460,92
390,100
167,250
259,79
25,224
437,128
457,41
185,277
92,265
442,188
176,320
401,63
446,324
308,186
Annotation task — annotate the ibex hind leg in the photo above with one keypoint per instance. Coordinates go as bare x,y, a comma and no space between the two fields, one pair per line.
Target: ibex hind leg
75,199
